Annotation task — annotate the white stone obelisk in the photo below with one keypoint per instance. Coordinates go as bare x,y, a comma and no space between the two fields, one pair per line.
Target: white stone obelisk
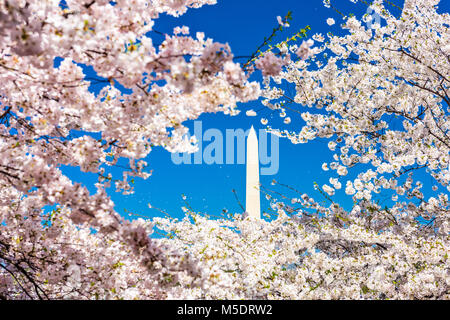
252,196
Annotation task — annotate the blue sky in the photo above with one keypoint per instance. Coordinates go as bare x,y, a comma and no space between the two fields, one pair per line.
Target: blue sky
208,188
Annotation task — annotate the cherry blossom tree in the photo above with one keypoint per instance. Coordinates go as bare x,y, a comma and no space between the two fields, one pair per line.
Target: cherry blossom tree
379,95
381,98
308,257
49,118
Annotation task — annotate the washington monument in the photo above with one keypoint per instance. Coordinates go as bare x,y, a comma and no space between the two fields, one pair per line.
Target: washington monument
252,196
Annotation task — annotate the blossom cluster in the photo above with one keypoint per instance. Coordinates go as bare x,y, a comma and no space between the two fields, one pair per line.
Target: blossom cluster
309,256
51,53
380,97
